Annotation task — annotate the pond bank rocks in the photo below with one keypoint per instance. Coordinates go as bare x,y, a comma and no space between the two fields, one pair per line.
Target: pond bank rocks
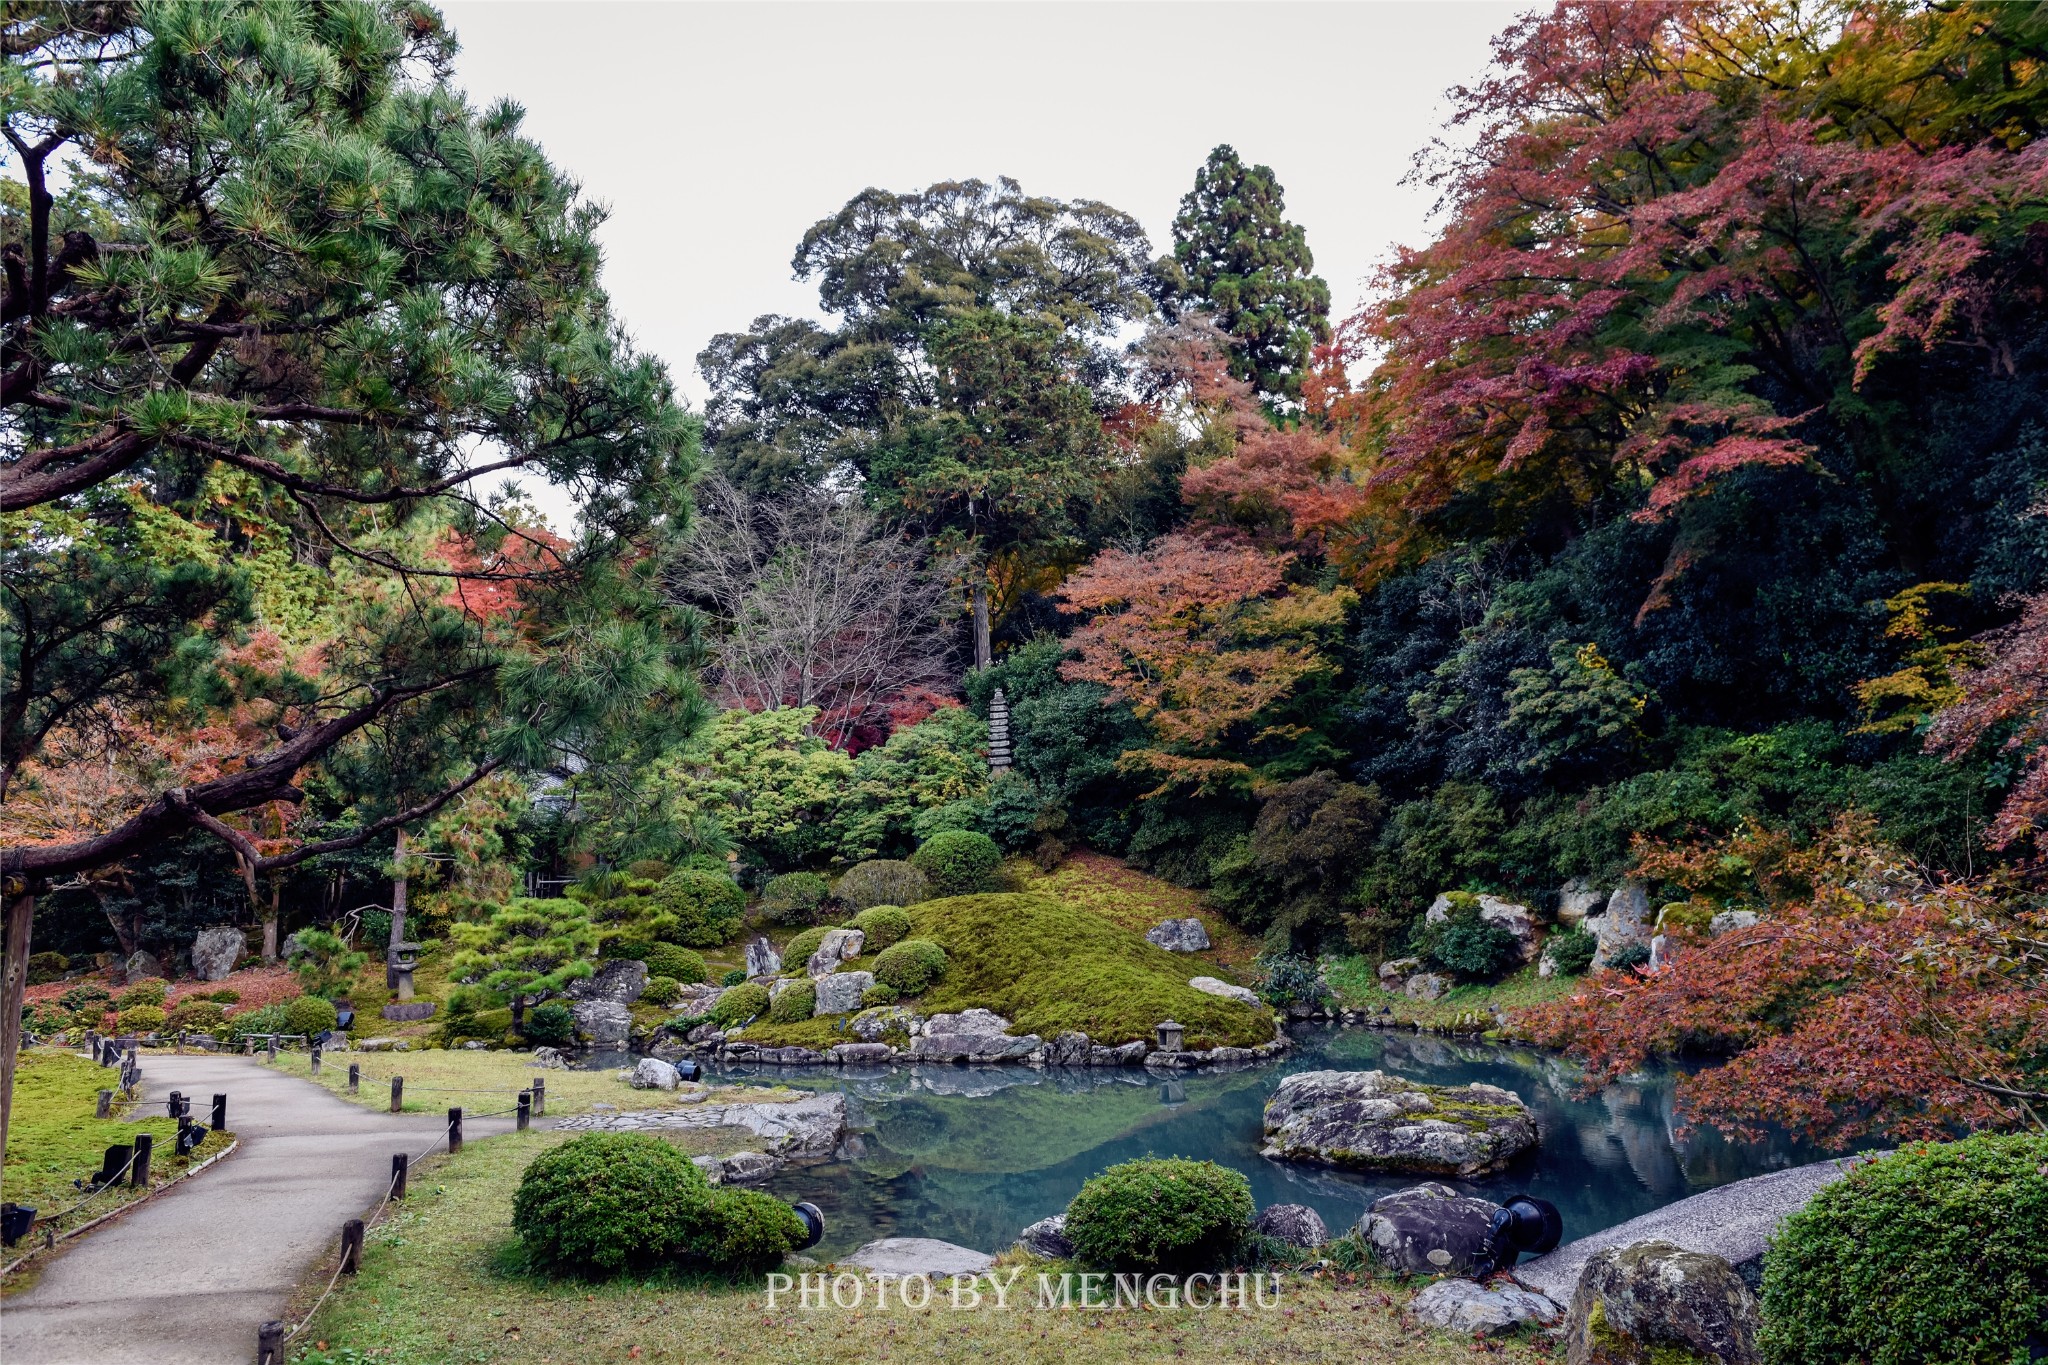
1479,1310
1373,1121
1428,1229
971,1036
807,1129
1653,1301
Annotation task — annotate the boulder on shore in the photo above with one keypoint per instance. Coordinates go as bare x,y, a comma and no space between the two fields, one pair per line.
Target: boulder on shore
1209,985
1626,923
215,952
1479,1310
1047,1238
839,945
620,981
1374,1121
1518,920
1295,1225
1179,935
1428,1229
971,1036
651,1073
1426,986
1649,1302
840,992
606,1022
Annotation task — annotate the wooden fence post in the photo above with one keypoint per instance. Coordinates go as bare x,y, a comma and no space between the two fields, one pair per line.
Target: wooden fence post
220,1114
138,1174
454,1130
352,1246
540,1095
270,1343
525,1108
397,1093
355,1076
398,1173
106,1105
273,1047
314,1058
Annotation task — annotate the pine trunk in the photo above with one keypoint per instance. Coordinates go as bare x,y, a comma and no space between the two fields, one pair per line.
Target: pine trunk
21,917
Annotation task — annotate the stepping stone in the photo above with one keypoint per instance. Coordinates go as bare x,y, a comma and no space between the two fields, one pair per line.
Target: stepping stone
919,1256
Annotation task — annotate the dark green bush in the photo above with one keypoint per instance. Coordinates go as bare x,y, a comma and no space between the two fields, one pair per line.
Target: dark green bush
44,968
798,950
624,948
678,964
959,863
1288,979
795,1004
740,1004
662,990
227,995
911,967
1464,944
309,1014
1571,950
881,881
880,995
84,997
1166,1215
736,977
883,925
708,906
745,1230
795,898
1934,1253
648,869
1628,957
551,1025
606,1202
268,1019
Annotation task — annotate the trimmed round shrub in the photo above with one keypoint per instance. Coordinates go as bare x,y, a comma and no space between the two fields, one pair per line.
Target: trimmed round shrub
740,1004
795,898
551,1025
86,996
1571,951
708,906
678,964
1167,1215
621,948
226,995
310,1015
882,881
150,992
648,869
1934,1253
911,967
662,990
606,1202
140,1019
880,995
745,1230
883,925
798,950
196,1015
958,862
44,968
796,1003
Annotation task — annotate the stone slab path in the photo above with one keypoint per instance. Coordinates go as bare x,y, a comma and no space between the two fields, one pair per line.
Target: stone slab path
1733,1221
186,1278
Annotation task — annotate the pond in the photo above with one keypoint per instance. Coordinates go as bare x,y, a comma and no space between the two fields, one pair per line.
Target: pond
973,1155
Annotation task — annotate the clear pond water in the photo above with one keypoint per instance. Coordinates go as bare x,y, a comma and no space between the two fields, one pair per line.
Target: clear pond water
974,1154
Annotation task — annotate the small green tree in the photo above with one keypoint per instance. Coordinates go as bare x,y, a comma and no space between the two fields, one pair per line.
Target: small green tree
526,951
324,962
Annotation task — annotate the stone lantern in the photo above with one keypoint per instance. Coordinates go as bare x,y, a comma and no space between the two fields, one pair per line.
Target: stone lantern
1169,1036
402,958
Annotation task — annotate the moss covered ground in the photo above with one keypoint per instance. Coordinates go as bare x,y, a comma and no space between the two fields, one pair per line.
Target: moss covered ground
1356,982
444,1282
53,1138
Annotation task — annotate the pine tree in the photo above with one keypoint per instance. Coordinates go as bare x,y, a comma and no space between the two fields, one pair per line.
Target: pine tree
1237,257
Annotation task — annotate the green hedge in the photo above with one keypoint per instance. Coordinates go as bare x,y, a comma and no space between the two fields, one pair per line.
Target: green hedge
959,863
911,967
883,925
1936,1252
795,898
1169,1215
795,1004
310,1015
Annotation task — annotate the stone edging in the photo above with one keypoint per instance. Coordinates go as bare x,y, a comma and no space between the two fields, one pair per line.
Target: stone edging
1068,1049
114,1213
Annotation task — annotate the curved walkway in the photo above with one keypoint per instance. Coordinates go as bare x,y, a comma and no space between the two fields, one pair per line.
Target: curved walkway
186,1278
1733,1221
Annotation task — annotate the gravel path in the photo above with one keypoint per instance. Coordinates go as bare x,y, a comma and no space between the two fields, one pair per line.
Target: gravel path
186,1278
1734,1221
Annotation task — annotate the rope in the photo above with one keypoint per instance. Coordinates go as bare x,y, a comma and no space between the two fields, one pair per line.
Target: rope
102,1189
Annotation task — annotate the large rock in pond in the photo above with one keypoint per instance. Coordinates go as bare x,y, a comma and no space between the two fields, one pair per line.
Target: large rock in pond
1209,985
840,992
838,946
1479,1310
971,1036
1428,1229
1652,1302
1518,920
1047,1238
1374,1121
620,981
762,959
215,953
1626,924
1179,935
1295,1225
606,1022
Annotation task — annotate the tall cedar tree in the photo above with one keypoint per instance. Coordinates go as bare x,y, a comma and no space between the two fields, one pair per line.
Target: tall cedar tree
1237,257
288,249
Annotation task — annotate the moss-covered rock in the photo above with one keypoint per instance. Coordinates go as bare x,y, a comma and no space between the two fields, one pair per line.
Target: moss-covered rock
1374,1121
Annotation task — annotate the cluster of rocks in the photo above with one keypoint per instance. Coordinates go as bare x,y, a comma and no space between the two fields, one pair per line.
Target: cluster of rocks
1376,1121
790,1132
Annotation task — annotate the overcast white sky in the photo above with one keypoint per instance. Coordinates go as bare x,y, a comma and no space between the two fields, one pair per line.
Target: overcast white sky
718,133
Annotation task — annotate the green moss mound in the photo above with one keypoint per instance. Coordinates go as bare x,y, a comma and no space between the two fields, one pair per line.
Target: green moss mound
678,964
661,990
1050,968
795,1004
740,1004
799,949
958,862
707,906
911,967
883,925
1171,1216
1934,1253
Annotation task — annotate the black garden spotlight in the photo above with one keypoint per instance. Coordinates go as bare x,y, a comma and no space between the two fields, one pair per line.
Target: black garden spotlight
1522,1224
814,1224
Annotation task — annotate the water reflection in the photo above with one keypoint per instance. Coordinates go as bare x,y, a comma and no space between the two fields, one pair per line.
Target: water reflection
973,1154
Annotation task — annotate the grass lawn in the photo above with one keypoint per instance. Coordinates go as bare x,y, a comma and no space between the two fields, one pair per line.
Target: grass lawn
444,1281
1356,981
482,1081
1137,901
53,1138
